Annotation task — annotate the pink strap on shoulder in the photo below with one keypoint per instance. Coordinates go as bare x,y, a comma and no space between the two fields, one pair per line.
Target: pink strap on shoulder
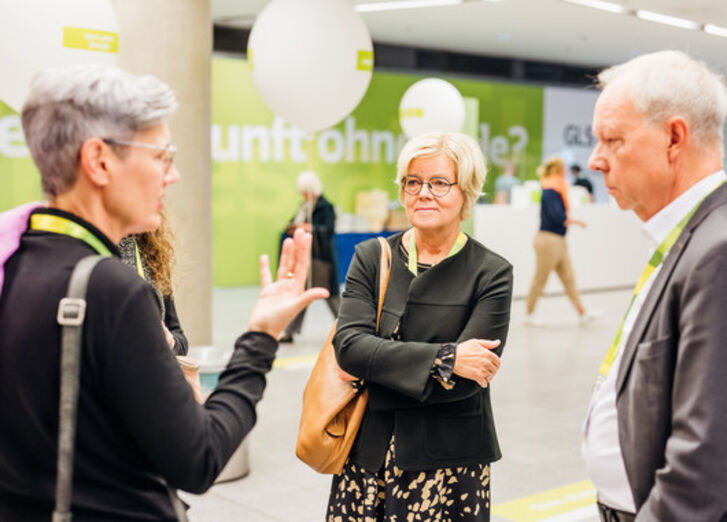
13,224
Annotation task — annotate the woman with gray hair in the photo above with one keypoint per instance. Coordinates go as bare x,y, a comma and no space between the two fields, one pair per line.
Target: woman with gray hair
316,215
101,141
428,435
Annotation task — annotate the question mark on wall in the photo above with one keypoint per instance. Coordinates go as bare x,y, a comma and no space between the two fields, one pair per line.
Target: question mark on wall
518,131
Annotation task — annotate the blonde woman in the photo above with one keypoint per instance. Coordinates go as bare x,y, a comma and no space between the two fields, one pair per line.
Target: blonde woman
551,250
426,442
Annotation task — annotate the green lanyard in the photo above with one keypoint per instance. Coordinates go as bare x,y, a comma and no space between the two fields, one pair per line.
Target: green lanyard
458,244
66,227
652,265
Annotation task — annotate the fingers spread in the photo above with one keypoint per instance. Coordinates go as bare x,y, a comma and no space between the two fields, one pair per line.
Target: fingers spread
265,276
286,258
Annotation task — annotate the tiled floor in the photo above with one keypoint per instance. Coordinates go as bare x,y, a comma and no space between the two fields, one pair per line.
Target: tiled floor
539,397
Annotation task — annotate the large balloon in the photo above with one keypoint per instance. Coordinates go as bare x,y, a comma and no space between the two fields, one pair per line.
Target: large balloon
37,34
311,60
431,105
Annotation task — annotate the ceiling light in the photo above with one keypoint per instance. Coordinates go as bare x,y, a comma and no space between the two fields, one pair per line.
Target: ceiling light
402,4
715,30
600,4
651,16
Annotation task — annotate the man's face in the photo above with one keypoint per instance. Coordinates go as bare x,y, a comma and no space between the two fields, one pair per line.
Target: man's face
631,153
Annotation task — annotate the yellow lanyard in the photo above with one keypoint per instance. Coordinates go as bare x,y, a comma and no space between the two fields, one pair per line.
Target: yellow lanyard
137,255
652,265
66,227
458,244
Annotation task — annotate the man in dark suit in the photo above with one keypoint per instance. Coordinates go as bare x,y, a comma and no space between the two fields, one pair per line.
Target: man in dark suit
656,430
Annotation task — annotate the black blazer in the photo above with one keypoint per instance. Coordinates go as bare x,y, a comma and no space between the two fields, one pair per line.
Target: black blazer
671,385
465,296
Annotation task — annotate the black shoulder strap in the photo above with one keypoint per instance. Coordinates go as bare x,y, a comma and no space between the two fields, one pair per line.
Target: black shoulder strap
71,315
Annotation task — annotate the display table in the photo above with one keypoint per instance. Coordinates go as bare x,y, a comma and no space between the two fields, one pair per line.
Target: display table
345,247
609,254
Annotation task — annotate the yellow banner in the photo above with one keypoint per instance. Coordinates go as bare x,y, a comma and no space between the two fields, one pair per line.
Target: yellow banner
90,40
365,61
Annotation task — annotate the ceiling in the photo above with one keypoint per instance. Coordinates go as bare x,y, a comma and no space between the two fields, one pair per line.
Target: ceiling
544,30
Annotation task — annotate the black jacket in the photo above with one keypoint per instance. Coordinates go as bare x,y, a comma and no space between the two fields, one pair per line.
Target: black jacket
463,297
324,239
138,420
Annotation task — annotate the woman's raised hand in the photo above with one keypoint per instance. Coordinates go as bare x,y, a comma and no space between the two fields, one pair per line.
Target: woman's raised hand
475,361
280,301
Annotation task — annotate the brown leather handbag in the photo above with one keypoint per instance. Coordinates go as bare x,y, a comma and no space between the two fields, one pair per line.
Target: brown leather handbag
332,408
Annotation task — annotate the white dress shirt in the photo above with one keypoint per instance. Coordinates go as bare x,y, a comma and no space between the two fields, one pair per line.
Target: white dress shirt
601,448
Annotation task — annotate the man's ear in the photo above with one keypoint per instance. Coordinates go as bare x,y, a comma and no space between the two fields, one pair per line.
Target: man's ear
95,161
679,136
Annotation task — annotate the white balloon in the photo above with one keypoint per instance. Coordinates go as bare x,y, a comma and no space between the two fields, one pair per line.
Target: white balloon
429,105
311,60
37,34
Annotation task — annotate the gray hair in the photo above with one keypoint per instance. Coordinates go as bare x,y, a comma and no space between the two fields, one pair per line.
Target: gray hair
309,182
470,165
670,83
66,107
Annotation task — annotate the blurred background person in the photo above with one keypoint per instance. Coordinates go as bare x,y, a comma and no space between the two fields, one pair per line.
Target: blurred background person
504,184
428,435
151,255
580,180
551,249
317,216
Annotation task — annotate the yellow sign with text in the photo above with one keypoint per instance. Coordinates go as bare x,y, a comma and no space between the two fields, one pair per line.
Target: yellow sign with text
90,40
550,503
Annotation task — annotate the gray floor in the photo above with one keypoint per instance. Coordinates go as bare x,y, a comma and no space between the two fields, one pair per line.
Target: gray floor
539,397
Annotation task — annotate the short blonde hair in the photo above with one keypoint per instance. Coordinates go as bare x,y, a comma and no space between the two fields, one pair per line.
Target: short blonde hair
309,182
470,165
552,165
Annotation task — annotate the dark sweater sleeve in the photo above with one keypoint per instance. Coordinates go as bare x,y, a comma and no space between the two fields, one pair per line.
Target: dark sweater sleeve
171,320
490,319
402,366
187,443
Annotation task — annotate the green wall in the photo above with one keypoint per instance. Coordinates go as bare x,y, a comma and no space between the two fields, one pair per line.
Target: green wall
257,157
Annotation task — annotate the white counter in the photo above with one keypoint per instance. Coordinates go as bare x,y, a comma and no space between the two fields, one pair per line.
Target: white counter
610,253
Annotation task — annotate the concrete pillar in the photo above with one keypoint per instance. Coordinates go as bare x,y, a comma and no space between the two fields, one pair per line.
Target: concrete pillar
172,40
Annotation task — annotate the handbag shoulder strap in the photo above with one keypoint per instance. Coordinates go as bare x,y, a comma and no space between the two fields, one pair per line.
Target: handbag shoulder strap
384,274
71,315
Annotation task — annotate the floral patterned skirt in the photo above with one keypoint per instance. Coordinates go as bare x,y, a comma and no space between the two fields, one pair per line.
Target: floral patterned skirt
395,495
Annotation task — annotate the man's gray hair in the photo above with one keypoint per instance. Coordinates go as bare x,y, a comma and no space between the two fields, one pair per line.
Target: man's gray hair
66,107
309,182
670,83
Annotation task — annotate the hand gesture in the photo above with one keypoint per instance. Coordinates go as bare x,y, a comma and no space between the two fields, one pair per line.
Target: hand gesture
282,300
476,362
168,335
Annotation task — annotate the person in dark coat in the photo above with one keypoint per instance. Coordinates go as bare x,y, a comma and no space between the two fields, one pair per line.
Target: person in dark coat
316,215
424,447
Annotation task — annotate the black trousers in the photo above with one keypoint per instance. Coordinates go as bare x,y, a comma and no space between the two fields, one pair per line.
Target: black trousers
333,302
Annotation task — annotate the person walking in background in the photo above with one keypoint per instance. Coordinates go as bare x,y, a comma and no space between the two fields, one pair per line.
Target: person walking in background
551,249
505,182
317,216
655,440
427,439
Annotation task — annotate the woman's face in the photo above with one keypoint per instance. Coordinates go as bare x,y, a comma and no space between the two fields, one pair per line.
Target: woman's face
425,211
139,182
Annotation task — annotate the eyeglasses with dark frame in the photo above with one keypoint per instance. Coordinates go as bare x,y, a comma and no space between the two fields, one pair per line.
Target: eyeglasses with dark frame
170,150
438,187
